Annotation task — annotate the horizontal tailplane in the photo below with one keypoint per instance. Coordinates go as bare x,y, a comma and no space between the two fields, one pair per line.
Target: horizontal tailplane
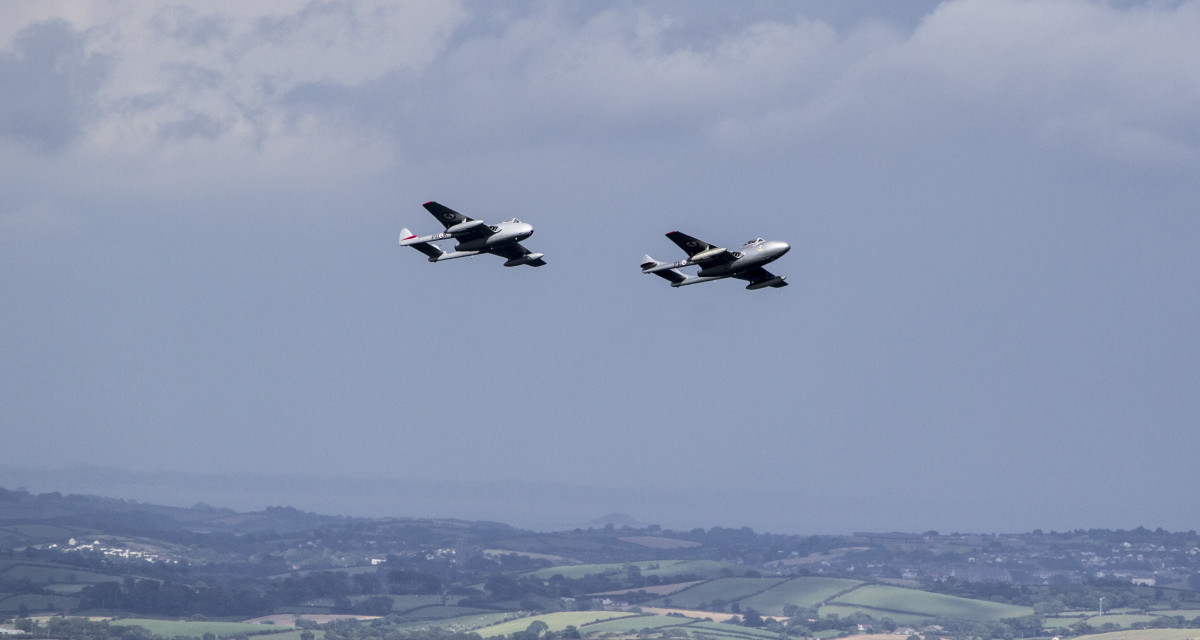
662,270
432,251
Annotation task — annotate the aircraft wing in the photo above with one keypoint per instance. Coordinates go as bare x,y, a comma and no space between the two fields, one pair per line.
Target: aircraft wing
451,218
700,250
759,275
515,250
447,216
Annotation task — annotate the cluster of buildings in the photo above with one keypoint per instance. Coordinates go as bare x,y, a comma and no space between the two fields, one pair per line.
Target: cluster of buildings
114,551
1139,557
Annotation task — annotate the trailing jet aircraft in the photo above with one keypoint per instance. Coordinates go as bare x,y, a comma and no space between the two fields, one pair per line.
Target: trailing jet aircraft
717,262
474,237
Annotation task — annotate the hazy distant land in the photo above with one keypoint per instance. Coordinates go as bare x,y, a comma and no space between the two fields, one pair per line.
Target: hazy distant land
77,565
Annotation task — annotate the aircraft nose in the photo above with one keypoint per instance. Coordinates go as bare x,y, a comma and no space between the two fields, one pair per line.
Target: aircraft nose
782,247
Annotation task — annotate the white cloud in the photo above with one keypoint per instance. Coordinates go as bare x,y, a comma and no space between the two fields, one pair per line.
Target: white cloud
218,69
328,90
1124,78
185,97
1068,77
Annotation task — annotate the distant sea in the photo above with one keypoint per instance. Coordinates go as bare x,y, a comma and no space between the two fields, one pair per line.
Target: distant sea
528,505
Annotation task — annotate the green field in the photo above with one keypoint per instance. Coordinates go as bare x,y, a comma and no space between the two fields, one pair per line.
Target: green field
32,602
66,589
1145,634
842,611
576,571
1188,614
728,630
633,624
42,532
664,569
901,600
460,623
803,592
726,590
556,621
1122,620
702,569
409,602
195,628
294,634
439,612
1055,622
51,573
604,622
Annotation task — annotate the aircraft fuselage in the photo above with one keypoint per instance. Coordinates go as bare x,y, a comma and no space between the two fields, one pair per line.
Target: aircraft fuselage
749,256
505,233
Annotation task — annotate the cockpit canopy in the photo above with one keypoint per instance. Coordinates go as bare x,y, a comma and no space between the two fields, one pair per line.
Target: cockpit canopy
512,220
755,241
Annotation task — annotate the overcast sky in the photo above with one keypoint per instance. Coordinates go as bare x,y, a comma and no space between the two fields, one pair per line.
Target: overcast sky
993,208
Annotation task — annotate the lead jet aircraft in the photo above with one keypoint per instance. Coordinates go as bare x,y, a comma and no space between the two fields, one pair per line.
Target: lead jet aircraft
474,237
717,262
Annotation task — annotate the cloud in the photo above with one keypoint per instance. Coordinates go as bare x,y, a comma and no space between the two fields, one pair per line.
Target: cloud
303,100
252,87
1090,77
1088,84
153,99
48,84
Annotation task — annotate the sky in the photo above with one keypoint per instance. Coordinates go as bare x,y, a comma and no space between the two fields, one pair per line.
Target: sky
993,208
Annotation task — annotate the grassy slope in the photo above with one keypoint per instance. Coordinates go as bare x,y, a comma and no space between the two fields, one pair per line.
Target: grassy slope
906,619
33,602
660,568
195,628
1145,634
556,621
802,592
574,572
724,589
901,600
634,624
48,573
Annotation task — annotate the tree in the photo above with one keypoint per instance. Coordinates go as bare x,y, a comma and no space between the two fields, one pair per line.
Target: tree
366,583
502,587
375,606
537,628
414,582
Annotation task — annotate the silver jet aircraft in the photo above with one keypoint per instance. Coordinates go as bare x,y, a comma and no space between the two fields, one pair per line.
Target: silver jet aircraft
717,262
474,237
